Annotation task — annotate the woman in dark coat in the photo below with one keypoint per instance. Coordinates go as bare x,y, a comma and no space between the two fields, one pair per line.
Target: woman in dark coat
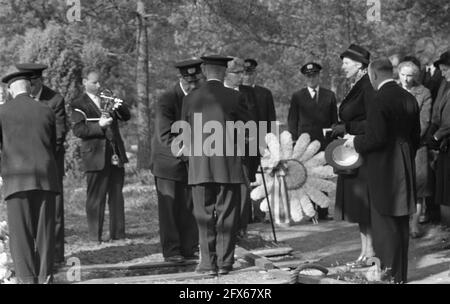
352,196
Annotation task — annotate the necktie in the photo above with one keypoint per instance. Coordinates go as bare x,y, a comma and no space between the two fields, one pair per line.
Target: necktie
314,95
427,77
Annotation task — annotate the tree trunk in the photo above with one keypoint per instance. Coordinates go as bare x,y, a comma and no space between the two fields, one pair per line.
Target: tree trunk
142,82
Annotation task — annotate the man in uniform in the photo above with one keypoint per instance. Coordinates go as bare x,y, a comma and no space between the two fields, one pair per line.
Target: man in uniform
103,155
312,110
177,227
389,147
215,177
55,101
264,97
233,80
265,112
29,171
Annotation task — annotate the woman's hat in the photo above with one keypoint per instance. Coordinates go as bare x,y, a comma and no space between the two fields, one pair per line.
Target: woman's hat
357,53
443,59
340,157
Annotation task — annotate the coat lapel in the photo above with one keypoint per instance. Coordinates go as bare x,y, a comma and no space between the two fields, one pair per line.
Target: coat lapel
354,90
90,103
322,100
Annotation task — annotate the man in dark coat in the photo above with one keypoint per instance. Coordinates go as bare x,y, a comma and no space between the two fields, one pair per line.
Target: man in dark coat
103,156
29,171
177,227
312,110
233,80
214,174
264,113
264,98
55,101
430,74
389,147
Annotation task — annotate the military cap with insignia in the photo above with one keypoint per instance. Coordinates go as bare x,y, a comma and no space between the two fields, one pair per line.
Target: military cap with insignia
216,60
190,69
311,68
35,68
250,64
10,78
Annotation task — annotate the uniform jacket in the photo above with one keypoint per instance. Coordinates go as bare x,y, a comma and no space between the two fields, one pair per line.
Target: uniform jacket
168,110
56,102
94,140
308,116
216,103
266,106
28,140
389,147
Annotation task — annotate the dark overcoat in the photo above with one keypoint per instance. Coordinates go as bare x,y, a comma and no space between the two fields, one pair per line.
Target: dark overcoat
266,106
432,83
219,104
352,194
56,102
389,147
28,149
168,110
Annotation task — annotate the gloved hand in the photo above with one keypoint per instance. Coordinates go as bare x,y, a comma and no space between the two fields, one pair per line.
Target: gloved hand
432,143
338,130
443,147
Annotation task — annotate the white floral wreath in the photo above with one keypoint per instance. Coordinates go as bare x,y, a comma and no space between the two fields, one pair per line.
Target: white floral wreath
295,177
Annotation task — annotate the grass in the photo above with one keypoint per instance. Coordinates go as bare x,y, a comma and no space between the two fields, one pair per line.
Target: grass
141,219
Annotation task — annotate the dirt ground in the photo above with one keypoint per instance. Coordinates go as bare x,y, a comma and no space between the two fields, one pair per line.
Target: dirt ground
330,243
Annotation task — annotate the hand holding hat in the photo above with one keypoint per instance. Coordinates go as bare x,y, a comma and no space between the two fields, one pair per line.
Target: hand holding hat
349,141
338,130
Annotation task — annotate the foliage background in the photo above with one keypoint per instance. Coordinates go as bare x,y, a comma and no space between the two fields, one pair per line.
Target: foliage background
281,34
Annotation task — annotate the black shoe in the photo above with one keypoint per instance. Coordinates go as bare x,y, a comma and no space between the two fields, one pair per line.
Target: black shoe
325,218
174,259
225,270
191,257
209,272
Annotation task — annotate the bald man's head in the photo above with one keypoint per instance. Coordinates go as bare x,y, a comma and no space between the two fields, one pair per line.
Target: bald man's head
213,71
379,71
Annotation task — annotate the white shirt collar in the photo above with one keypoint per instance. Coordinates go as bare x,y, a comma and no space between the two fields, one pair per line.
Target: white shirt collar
384,82
236,88
311,92
215,79
431,68
182,89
